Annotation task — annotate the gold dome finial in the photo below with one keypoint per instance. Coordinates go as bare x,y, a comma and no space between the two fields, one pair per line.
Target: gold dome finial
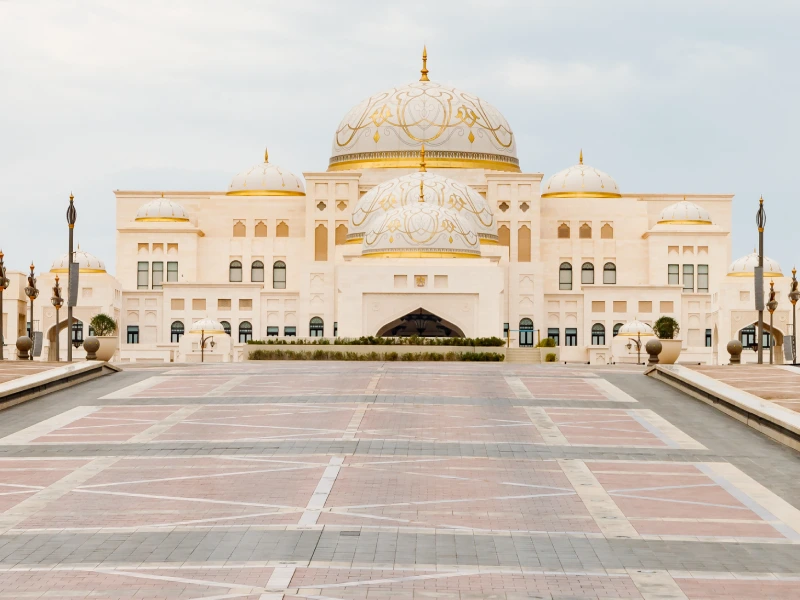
421,191
422,168
424,70
580,157
266,155
761,200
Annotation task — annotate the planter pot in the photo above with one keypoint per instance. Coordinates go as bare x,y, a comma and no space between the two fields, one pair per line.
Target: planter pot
108,346
670,351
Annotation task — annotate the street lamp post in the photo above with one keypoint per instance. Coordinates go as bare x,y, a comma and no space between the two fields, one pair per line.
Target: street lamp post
4,282
57,301
771,306
761,221
203,340
72,216
32,294
794,296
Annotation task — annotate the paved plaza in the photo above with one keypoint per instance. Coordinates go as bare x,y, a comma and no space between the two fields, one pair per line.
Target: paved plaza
331,481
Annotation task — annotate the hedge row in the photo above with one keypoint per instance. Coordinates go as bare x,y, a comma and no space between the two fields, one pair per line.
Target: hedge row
382,356
413,340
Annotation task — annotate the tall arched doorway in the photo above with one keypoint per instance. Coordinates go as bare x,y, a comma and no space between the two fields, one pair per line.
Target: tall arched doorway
525,333
422,323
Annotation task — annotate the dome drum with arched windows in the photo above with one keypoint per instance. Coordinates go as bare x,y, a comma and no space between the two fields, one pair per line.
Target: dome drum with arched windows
684,213
745,267
162,210
459,129
580,181
87,263
266,179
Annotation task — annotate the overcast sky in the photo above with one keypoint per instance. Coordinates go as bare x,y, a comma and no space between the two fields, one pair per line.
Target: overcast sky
676,97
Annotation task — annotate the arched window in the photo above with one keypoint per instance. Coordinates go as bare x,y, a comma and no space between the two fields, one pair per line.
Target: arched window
525,333
607,232
609,273
321,243
235,272
524,244
261,229
316,328
617,327
526,324
257,271
77,333
565,276
587,273
585,232
598,335
504,235
341,234
245,332
748,337
239,229
563,231
282,230
279,275
176,331
226,327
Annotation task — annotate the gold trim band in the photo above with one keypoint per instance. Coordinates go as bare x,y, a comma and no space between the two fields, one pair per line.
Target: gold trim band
162,219
581,195
381,254
264,193
750,274
684,222
399,159
79,270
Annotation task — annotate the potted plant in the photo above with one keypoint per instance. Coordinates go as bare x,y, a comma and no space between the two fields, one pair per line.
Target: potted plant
667,330
105,330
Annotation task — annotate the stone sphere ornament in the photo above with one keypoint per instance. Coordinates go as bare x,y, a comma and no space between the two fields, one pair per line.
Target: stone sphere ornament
734,348
24,344
653,348
91,344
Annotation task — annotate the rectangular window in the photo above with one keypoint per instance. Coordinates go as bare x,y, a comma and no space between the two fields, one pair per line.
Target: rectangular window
272,331
505,330
176,304
688,278
645,306
708,338
598,306
290,331
198,304
142,276
133,334
570,336
245,304
224,304
335,328
620,306
674,274
172,272
702,278
158,275
552,333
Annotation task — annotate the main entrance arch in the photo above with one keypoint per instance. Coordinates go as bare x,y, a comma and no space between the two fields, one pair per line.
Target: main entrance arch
422,323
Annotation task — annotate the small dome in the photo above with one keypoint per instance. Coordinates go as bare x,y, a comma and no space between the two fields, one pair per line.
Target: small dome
459,129
745,267
88,263
421,230
636,328
207,326
684,213
163,210
437,190
266,179
580,181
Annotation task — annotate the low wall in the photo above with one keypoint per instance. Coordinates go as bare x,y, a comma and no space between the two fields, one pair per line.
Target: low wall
361,349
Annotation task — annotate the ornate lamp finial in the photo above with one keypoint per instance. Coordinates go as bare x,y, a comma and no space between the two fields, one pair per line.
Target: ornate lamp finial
580,158
422,168
266,155
424,70
421,191
794,269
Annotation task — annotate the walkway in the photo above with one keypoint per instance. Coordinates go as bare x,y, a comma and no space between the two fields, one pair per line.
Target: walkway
326,480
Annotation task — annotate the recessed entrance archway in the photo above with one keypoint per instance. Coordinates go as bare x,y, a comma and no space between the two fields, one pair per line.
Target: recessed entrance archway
422,323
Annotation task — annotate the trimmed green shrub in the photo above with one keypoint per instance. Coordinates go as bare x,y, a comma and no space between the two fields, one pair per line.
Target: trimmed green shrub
280,354
546,343
550,357
103,325
370,340
666,328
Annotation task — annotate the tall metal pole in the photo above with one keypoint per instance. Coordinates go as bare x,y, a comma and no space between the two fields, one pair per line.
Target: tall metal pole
3,285
794,296
72,216
761,221
58,302
771,306
32,294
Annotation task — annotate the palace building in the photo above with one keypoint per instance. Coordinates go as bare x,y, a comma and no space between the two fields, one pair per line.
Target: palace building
421,223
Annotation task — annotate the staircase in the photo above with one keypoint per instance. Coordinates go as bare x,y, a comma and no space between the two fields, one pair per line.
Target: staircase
530,356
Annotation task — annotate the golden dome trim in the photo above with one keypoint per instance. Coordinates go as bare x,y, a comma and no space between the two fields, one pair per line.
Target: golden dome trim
402,160
684,222
581,195
61,270
417,254
162,219
751,274
488,241
264,193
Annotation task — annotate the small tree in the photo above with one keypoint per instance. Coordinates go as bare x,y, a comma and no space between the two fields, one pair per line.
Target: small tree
103,325
666,328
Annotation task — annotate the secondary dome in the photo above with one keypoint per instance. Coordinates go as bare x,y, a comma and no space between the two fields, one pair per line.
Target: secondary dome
684,213
636,328
581,181
458,129
421,230
87,263
745,267
207,326
436,190
162,210
266,179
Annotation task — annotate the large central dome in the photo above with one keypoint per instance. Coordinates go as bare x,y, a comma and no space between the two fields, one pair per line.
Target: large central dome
459,130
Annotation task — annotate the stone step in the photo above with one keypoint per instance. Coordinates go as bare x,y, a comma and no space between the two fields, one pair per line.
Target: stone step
523,355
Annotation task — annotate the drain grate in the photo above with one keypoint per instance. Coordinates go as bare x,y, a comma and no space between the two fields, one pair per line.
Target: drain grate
356,533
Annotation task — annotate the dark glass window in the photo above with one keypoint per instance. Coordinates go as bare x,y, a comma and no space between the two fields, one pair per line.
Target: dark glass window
279,275
553,333
565,276
77,332
748,337
610,273
176,331
335,328
316,328
257,271
702,278
133,334
505,330
598,335
688,278
290,331
587,273
226,327
570,336
272,331
617,327
142,275
245,332
158,275
172,272
235,272
673,274
708,338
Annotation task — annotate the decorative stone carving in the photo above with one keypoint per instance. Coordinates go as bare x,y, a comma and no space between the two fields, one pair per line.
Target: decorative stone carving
735,350
91,344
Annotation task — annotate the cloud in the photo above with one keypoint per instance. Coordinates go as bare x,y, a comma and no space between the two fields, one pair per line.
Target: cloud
557,81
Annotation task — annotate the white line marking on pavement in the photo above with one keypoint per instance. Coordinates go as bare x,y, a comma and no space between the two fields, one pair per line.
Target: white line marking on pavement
355,422
321,493
520,390
27,435
223,389
128,392
151,433
656,585
278,582
664,430
373,383
549,431
611,391
609,518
